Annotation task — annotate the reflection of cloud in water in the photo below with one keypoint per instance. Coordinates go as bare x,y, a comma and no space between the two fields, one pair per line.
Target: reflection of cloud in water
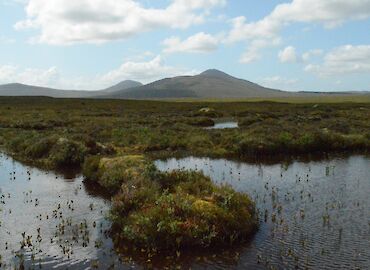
319,208
308,206
224,125
34,200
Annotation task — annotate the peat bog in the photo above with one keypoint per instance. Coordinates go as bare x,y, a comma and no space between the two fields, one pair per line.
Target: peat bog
298,208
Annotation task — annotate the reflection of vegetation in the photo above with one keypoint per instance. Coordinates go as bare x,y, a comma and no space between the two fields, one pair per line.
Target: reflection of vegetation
159,211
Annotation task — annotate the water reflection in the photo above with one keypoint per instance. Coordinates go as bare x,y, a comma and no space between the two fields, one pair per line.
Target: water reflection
224,125
50,222
314,215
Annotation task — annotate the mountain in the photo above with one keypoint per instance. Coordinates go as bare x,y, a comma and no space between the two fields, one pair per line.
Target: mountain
209,84
122,85
17,89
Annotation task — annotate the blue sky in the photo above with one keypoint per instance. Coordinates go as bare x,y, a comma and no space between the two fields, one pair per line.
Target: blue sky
313,45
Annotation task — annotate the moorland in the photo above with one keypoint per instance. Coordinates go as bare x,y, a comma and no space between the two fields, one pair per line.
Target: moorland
114,143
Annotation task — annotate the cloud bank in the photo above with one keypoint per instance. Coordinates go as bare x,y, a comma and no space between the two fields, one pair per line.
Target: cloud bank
63,22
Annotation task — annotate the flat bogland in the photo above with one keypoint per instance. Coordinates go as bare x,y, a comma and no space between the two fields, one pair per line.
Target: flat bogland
62,132
113,139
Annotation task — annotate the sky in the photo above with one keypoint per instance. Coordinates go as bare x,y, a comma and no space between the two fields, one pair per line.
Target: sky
297,45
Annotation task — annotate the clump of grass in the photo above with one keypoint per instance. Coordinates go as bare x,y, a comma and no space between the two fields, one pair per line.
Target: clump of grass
67,153
161,211
41,148
52,151
111,173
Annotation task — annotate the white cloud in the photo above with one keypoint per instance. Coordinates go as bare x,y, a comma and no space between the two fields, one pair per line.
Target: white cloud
94,21
241,30
312,53
329,13
151,70
279,82
198,43
253,51
143,71
343,60
10,73
288,55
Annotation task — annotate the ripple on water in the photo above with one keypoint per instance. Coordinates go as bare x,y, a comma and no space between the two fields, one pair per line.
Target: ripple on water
58,221
318,213
317,216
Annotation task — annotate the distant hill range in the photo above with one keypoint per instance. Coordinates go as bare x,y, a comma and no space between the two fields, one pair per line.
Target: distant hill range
17,89
207,85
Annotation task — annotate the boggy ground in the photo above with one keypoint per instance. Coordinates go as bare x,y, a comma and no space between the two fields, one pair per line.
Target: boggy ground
113,140
58,132
159,211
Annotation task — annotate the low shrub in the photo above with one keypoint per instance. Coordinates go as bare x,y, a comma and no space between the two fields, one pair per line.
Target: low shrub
67,153
40,148
90,168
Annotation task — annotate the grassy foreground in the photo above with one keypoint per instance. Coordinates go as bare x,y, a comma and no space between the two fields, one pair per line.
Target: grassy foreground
114,142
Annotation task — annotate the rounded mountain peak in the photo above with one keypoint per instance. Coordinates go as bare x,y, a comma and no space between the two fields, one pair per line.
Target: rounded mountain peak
214,73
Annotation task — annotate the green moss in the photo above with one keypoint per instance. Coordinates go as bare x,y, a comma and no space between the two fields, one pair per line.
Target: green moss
180,209
111,173
160,211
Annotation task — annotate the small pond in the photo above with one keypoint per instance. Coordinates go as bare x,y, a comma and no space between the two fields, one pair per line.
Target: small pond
59,221
314,215
224,125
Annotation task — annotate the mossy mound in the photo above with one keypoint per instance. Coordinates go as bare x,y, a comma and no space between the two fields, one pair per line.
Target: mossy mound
67,153
159,211
53,151
111,173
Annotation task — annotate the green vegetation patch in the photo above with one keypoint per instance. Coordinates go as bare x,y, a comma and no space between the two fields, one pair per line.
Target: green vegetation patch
31,128
53,151
168,211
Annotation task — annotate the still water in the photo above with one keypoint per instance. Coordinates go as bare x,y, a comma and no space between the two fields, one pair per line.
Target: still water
224,125
59,222
313,215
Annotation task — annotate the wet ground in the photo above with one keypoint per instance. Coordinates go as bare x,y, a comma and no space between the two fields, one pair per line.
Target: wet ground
314,215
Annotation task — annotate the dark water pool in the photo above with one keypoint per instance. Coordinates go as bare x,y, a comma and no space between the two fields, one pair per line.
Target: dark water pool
59,222
314,215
